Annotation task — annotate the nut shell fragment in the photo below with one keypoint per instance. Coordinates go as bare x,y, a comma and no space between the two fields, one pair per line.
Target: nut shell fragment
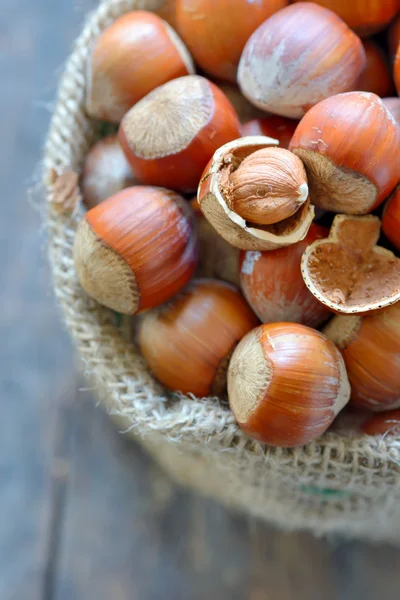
348,272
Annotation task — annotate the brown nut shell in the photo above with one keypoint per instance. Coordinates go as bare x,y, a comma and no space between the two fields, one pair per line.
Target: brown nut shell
391,219
286,384
135,54
387,423
273,286
364,16
348,272
188,342
349,144
217,258
137,249
216,31
370,347
296,58
278,128
105,172
396,70
171,134
230,225
393,106
377,76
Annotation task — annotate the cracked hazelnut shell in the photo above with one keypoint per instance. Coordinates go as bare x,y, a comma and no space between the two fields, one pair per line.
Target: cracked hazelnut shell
348,272
215,199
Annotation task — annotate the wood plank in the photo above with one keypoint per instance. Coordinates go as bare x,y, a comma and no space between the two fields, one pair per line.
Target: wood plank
84,514
131,534
35,355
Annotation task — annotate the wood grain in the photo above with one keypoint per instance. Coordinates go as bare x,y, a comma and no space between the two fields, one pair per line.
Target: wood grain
85,515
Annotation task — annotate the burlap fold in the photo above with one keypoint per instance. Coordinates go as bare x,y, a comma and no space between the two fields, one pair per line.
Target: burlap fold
346,483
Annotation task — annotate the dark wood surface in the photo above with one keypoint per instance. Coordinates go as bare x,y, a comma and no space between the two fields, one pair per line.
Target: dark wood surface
85,515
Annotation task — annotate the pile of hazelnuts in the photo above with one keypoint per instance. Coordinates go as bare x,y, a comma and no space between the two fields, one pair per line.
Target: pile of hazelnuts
274,285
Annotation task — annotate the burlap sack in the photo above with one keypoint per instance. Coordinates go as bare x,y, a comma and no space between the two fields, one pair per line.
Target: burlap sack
346,483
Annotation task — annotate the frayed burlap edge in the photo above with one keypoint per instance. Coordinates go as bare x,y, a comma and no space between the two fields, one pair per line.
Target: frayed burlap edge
346,482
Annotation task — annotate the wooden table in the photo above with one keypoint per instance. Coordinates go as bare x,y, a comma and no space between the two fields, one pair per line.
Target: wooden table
86,515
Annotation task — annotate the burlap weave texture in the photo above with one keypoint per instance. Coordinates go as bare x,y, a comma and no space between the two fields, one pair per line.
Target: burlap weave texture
346,482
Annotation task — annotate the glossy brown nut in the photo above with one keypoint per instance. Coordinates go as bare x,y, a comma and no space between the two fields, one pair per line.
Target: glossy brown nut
393,105
370,347
286,384
280,74
377,76
279,128
188,342
105,171
387,423
273,286
137,249
365,16
350,147
394,37
391,219
396,70
133,56
170,135
216,31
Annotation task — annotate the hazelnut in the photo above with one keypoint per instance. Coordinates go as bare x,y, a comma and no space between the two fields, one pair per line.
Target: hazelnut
349,145
216,31
170,135
286,72
286,384
370,347
364,16
270,188
391,219
394,37
393,106
137,249
387,423
245,109
217,258
133,56
188,342
105,171
273,286
278,128
376,77
396,70
167,11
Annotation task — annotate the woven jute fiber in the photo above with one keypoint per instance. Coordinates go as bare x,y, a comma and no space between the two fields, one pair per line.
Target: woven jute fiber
345,483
